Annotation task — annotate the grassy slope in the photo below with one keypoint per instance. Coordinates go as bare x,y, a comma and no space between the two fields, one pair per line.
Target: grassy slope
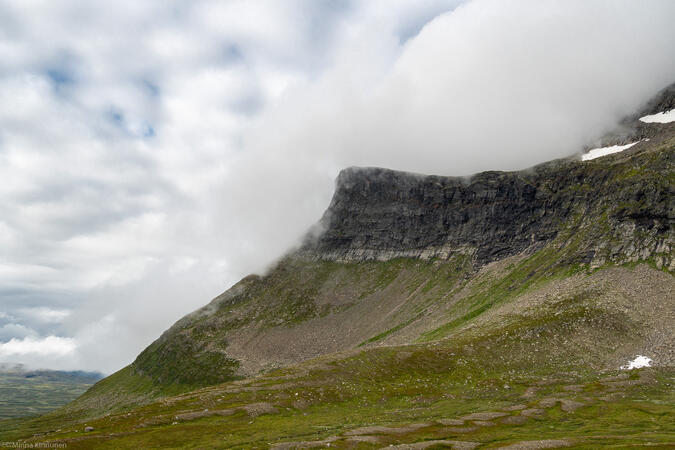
484,368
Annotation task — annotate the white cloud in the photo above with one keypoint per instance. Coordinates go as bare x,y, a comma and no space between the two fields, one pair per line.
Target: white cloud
45,314
50,346
491,85
15,330
154,152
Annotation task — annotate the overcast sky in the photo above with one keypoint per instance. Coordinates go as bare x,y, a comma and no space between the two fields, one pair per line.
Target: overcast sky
154,152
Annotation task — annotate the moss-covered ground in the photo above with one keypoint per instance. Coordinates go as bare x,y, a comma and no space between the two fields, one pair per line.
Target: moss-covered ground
542,371
543,386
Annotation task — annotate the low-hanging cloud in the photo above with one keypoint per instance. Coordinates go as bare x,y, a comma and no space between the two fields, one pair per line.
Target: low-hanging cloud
153,153
491,85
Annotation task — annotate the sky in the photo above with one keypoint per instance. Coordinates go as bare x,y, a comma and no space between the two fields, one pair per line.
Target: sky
153,153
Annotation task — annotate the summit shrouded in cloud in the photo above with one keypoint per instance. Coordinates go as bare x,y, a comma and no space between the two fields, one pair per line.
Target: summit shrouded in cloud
145,146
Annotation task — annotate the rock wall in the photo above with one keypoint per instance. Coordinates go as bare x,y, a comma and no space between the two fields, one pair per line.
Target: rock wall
618,208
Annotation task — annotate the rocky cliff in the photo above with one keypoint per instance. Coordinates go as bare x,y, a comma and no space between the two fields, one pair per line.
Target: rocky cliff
383,214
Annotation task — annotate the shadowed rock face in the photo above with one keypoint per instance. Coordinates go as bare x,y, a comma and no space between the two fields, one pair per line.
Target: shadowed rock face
382,214
663,101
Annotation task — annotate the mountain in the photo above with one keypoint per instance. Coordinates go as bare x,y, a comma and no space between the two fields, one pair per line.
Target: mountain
385,227
491,310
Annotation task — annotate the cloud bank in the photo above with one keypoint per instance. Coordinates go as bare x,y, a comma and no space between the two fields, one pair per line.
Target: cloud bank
152,153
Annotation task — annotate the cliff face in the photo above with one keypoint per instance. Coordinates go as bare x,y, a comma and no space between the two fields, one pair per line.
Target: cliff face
382,214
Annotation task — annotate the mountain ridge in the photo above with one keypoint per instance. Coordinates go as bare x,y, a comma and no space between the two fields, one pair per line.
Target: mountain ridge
381,214
580,214
447,292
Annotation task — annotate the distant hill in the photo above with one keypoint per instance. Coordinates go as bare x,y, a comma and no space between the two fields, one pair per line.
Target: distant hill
30,392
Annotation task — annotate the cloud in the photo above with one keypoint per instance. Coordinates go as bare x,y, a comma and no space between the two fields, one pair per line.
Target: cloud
15,330
490,85
152,153
51,347
45,314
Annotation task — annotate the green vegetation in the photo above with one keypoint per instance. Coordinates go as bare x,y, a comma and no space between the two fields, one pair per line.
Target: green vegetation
469,364
172,362
390,331
546,358
415,384
527,275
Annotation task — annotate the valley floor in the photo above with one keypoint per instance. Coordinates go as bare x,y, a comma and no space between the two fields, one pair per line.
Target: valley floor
435,395
31,393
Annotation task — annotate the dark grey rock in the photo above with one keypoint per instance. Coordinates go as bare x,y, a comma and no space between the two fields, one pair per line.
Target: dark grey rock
382,214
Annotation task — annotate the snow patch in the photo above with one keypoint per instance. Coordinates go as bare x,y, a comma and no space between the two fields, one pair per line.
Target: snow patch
662,117
604,151
638,362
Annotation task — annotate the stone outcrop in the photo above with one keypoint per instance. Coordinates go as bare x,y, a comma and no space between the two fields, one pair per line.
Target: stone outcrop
381,214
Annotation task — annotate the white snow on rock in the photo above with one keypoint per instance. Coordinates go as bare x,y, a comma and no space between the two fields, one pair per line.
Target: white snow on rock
604,151
662,117
638,362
